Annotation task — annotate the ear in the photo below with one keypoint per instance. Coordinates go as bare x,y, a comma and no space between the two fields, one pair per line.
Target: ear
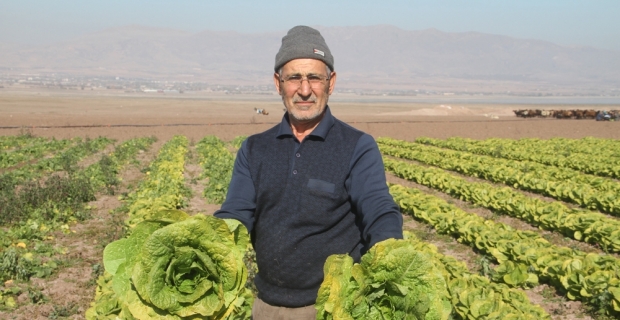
276,81
332,83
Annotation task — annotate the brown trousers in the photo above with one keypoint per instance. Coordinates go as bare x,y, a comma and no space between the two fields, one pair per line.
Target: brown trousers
263,311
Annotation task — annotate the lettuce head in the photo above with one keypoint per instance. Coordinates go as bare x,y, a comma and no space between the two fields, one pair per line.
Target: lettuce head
173,266
392,281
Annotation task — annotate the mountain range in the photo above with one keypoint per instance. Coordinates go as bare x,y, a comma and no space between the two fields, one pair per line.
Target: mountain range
380,56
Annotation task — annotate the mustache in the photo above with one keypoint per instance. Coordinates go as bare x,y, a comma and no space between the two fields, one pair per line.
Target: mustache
312,99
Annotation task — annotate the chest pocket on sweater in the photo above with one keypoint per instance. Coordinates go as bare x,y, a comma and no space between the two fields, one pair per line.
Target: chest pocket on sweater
320,203
320,185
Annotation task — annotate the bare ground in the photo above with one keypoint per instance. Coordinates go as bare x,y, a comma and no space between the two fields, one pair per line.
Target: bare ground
63,115
197,203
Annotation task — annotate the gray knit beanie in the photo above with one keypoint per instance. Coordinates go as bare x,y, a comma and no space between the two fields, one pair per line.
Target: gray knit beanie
302,42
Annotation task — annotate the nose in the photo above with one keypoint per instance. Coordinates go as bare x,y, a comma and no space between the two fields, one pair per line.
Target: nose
304,89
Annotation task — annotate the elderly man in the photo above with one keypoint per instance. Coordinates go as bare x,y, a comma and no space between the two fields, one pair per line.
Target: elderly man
310,187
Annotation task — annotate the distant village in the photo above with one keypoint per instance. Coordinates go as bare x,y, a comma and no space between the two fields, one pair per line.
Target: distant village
150,86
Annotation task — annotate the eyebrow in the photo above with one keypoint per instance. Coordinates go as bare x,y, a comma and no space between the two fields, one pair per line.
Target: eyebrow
307,74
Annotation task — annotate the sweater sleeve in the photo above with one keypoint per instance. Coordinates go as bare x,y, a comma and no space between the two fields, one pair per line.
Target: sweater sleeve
380,216
240,202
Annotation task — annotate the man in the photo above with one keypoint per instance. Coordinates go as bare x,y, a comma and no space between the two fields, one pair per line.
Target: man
309,187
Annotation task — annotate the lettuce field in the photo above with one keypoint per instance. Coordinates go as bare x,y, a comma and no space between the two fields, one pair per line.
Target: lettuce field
107,228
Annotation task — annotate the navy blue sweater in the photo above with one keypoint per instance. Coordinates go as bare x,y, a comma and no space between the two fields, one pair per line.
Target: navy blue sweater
302,202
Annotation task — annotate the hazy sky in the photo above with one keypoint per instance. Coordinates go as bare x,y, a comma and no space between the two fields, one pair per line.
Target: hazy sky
568,22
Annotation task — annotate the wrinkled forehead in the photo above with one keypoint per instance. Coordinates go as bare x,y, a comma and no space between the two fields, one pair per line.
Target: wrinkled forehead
305,66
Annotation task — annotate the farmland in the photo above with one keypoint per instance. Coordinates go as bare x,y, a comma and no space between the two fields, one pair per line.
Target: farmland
518,217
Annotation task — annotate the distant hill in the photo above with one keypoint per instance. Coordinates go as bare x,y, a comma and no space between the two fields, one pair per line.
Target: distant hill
365,57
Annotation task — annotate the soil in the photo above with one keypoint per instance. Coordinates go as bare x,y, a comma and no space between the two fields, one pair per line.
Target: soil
197,203
62,115
65,115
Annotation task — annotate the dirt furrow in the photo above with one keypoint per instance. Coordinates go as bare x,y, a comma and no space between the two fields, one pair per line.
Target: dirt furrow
68,293
197,203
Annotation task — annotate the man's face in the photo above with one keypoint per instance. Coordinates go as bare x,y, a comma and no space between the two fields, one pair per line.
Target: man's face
305,101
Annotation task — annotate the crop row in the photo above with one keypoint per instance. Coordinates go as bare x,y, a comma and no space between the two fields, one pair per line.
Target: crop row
600,148
551,173
589,145
172,266
13,204
217,165
562,184
162,189
590,227
65,160
524,257
9,142
600,165
32,151
104,174
38,209
475,296
238,141
56,199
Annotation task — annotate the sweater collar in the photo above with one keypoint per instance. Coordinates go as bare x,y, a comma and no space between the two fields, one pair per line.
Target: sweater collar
320,131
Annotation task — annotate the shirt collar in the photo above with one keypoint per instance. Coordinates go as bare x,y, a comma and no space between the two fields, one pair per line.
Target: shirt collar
320,131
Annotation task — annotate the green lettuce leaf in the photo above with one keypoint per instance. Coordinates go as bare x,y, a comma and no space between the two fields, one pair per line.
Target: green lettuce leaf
392,281
173,266
193,267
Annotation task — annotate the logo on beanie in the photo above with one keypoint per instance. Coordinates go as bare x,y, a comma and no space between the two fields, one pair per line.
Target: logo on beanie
317,51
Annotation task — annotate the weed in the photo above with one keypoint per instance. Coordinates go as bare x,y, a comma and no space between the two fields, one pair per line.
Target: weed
498,151
548,236
484,266
97,271
21,265
63,311
599,306
250,262
550,294
109,172
35,295
116,228
13,266
56,199
25,133
455,246
190,156
67,163
7,298
420,234
427,233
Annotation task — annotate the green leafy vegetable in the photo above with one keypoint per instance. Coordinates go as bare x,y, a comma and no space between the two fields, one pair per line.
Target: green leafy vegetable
392,281
191,268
